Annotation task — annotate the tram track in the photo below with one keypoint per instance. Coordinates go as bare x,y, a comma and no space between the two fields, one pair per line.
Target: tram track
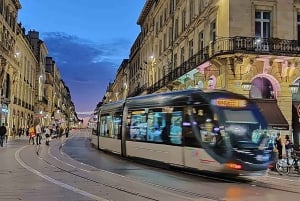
186,195
209,177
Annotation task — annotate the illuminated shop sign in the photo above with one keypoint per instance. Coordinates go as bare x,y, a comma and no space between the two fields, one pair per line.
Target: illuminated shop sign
224,102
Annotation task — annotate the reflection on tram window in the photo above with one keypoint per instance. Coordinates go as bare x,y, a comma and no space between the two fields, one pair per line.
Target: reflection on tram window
138,126
117,126
156,124
176,128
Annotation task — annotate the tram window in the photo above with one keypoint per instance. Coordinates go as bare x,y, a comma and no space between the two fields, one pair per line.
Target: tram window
176,127
117,125
138,126
189,137
105,125
156,125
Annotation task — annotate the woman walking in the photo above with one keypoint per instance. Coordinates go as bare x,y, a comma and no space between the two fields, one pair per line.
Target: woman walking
31,133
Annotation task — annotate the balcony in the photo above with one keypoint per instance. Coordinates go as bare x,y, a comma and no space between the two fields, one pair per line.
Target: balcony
227,46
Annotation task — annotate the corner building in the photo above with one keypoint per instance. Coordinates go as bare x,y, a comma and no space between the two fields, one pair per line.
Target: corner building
250,47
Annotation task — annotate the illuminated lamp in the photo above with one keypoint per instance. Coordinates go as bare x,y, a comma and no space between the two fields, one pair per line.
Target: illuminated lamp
246,86
294,88
234,166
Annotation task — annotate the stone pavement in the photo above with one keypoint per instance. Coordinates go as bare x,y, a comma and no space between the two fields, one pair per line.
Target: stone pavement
271,179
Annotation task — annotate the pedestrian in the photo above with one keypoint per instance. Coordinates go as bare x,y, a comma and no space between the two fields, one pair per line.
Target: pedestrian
38,131
31,133
2,134
67,132
278,145
6,134
47,135
288,147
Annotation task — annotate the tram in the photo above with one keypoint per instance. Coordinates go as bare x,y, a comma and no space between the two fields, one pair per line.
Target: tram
213,130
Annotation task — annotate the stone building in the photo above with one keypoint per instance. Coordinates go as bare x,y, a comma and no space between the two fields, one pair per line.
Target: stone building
30,92
8,63
22,91
248,47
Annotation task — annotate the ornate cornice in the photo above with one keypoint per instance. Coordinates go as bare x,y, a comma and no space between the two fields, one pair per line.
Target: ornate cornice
147,7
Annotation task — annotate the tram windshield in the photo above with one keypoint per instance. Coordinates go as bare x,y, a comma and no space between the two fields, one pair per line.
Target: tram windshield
238,128
244,129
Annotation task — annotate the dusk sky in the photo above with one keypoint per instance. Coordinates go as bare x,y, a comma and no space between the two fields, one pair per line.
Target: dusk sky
88,39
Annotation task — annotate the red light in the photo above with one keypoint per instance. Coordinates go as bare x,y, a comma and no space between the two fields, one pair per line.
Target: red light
234,166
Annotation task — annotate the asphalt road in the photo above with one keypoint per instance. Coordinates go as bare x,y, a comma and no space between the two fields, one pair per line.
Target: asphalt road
74,170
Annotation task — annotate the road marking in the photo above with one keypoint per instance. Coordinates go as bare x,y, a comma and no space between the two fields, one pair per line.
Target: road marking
54,181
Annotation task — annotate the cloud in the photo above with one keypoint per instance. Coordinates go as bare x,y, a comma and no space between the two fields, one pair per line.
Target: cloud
85,66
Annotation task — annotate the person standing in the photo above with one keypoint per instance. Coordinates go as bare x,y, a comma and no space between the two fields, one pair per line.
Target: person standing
67,132
38,131
278,145
288,146
2,134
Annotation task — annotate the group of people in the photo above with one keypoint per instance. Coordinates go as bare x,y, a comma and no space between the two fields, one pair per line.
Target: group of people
279,146
38,131
34,132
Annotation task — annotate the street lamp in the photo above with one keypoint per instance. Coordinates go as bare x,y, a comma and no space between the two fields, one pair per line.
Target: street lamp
246,86
294,88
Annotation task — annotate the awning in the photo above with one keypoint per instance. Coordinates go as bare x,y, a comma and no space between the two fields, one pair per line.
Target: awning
272,114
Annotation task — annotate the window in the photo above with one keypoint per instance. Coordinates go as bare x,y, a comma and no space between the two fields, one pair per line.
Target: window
138,125
176,28
176,127
201,6
191,44
262,24
298,28
201,41
106,125
165,41
117,122
192,10
156,125
213,31
183,20
170,35
182,55
175,61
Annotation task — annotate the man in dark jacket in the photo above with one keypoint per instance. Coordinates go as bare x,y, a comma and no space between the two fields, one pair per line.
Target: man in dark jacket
2,134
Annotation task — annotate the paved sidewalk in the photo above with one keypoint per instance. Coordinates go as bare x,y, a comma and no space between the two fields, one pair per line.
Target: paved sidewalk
272,179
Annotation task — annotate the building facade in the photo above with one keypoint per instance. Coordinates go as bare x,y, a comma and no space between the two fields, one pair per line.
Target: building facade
248,47
30,92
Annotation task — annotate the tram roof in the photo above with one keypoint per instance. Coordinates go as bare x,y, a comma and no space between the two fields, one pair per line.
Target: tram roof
177,98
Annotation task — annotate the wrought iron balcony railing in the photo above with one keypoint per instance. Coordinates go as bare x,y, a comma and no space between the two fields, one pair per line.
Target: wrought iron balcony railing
223,46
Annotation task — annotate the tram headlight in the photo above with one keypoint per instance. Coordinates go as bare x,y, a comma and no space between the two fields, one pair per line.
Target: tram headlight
234,166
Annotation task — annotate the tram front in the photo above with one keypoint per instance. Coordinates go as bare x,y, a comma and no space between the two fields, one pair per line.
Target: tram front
234,133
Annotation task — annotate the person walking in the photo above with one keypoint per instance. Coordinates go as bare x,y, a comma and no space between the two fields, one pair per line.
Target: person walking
31,133
38,131
2,134
6,134
278,145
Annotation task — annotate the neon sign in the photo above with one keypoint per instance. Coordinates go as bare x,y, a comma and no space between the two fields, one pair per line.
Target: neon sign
224,102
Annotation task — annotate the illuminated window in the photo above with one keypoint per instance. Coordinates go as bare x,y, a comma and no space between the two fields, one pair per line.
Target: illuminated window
262,24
